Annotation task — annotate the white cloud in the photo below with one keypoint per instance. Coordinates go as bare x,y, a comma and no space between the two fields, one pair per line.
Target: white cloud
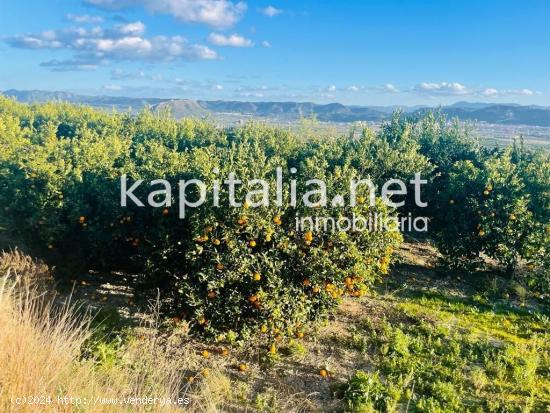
390,88
271,11
70,65
331,88
217,87
84,18
443,88
233,40
134,28
266,44
489,92
214,13
492,92
353,88
99,46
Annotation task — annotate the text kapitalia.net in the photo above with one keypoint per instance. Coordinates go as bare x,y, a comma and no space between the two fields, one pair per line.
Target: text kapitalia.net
192,193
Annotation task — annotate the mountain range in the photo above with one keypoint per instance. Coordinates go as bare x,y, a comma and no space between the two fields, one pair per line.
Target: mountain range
493,113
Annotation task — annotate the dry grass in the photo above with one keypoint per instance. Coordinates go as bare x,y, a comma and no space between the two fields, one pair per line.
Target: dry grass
41,355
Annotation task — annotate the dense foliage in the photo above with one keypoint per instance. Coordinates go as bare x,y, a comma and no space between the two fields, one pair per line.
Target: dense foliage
240,271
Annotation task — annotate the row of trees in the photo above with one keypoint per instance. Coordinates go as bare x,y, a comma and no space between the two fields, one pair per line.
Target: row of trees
235,272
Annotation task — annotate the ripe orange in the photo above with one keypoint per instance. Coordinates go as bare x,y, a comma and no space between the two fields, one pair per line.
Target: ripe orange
253,298
306,282
277,220
252,243
308,236
263,328
216,241
219,266
323,373
205,354
257,276
243,367
300,334
82,219
272,349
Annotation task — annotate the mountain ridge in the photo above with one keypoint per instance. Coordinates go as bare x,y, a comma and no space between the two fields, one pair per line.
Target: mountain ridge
494,113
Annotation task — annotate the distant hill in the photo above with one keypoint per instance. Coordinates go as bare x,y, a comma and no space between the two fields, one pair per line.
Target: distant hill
505,114
182,108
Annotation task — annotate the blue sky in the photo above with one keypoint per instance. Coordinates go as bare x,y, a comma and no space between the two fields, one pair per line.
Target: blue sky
368,52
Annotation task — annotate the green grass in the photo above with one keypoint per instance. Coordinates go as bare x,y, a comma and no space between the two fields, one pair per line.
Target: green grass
452,354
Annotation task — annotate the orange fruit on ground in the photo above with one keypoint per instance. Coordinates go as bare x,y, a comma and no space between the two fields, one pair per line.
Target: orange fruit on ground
300,334
323,373
306,282
252,243
243,367
205,354
219,266
216,241
253,298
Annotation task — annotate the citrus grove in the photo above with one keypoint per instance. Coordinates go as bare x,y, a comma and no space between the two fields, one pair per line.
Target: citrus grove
234,273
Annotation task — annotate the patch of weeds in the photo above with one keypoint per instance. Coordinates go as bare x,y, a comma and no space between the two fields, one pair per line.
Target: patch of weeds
267,401
296,348
107,338
453,355
365,392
